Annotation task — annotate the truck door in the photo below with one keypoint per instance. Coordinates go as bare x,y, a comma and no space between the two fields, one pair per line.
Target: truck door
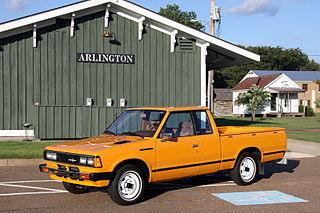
178,155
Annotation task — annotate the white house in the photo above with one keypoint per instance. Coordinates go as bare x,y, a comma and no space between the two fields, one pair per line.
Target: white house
284,94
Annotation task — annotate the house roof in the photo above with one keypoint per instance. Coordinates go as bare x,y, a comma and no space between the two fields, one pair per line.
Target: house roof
220,53
223,94
287,90
259,81
294,75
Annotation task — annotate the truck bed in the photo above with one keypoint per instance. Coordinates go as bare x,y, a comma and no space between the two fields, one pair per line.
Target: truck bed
237,130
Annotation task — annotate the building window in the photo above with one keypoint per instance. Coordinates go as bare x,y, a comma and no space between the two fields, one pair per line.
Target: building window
301,102
309,103
305,87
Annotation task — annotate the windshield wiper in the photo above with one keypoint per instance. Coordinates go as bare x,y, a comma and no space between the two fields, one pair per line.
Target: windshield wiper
132,134
109,133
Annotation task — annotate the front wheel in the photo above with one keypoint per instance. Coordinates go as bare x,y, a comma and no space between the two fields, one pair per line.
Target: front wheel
128,185
245,171
75,188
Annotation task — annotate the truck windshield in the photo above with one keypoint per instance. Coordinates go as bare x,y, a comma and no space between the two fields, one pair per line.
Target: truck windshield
142,123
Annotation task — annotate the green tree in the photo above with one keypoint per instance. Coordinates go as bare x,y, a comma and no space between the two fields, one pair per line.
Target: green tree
272,58
317,103
174,13
254,99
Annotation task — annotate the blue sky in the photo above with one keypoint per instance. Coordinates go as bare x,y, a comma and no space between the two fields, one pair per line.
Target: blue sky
285,23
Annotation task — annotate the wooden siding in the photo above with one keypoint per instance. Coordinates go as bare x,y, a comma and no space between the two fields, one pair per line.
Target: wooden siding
51,76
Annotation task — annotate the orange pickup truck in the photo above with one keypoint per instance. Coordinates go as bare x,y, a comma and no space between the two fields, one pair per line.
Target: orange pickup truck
146,145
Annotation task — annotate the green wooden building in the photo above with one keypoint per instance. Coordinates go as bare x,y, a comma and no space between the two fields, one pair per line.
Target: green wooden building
72,70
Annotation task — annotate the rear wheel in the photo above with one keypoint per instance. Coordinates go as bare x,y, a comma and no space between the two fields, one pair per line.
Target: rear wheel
128,185
75,188
245,171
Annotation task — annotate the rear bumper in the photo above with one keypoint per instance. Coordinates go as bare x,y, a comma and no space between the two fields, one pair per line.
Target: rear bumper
73,175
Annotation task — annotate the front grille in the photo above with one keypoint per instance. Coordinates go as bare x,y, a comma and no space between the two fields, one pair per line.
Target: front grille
68,158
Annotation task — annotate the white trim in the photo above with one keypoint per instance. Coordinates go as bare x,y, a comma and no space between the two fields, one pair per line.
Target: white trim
203,73
73,15
16,133
106,16
131,8
140,27
173,40
34,36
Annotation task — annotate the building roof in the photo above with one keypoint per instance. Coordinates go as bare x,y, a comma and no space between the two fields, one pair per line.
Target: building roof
259,81
223,94
287,90
294,75
220,53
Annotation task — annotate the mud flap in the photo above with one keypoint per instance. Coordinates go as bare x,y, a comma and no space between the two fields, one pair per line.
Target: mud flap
261,168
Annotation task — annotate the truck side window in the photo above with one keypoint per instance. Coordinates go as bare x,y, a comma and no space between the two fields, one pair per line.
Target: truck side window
179,125
203,125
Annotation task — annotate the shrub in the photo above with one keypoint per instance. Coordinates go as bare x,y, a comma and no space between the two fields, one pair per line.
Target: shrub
301,108
309,111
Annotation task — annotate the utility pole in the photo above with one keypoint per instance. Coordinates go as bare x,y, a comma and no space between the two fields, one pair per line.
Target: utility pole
212,21
214,16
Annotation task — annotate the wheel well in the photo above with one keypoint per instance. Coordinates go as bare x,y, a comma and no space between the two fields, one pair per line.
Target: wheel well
253,150
136,162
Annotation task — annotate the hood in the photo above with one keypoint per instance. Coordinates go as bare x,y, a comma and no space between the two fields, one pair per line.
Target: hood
95,144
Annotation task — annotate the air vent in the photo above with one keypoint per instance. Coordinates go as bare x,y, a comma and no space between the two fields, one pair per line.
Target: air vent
186,45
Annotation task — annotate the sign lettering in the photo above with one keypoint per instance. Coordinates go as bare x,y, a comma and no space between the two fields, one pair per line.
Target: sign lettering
106,58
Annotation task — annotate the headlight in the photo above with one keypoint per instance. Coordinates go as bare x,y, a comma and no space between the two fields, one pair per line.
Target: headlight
51,156
88,161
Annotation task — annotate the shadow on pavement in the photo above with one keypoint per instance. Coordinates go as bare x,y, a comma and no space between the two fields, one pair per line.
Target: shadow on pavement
272,168
156,189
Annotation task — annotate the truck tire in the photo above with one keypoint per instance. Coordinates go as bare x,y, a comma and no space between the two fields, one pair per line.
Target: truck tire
245,171
75,188
127,187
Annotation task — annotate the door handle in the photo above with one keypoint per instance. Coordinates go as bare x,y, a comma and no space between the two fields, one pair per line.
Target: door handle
195,145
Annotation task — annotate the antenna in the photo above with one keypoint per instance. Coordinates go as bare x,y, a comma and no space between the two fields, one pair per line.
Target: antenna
215,16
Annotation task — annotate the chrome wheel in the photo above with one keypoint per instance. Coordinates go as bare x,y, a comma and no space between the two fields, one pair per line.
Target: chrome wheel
130,185
247,169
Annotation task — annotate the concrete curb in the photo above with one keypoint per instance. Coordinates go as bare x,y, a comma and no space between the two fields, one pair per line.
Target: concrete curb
20,162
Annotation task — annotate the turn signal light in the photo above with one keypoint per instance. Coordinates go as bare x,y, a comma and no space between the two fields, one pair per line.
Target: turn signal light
97,162
84,176
46,170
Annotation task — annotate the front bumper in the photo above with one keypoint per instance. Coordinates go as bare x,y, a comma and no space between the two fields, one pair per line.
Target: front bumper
74,175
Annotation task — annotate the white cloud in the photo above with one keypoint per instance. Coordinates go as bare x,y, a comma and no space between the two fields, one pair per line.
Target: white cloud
249,7
15,5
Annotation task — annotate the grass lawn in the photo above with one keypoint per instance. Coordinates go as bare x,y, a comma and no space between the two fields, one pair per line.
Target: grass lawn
26,150
285,122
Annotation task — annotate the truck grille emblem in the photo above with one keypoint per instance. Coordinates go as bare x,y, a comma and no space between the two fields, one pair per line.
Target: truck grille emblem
72,160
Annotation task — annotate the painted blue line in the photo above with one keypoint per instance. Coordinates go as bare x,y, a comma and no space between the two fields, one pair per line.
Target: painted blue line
258,198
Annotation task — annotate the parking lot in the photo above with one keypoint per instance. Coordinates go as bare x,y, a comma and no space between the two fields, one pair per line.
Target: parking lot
24,189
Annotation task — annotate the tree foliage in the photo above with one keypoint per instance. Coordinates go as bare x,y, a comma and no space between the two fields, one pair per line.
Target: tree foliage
174,13
254,99
317,103
272,58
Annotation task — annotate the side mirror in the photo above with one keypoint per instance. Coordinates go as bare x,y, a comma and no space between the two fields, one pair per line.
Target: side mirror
168,137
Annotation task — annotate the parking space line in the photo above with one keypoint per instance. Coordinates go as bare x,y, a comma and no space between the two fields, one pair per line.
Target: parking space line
219,184
44,190
27,187
31,181
32,193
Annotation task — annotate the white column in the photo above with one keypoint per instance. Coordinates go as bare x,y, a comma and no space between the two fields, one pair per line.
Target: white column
204,73
313,99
